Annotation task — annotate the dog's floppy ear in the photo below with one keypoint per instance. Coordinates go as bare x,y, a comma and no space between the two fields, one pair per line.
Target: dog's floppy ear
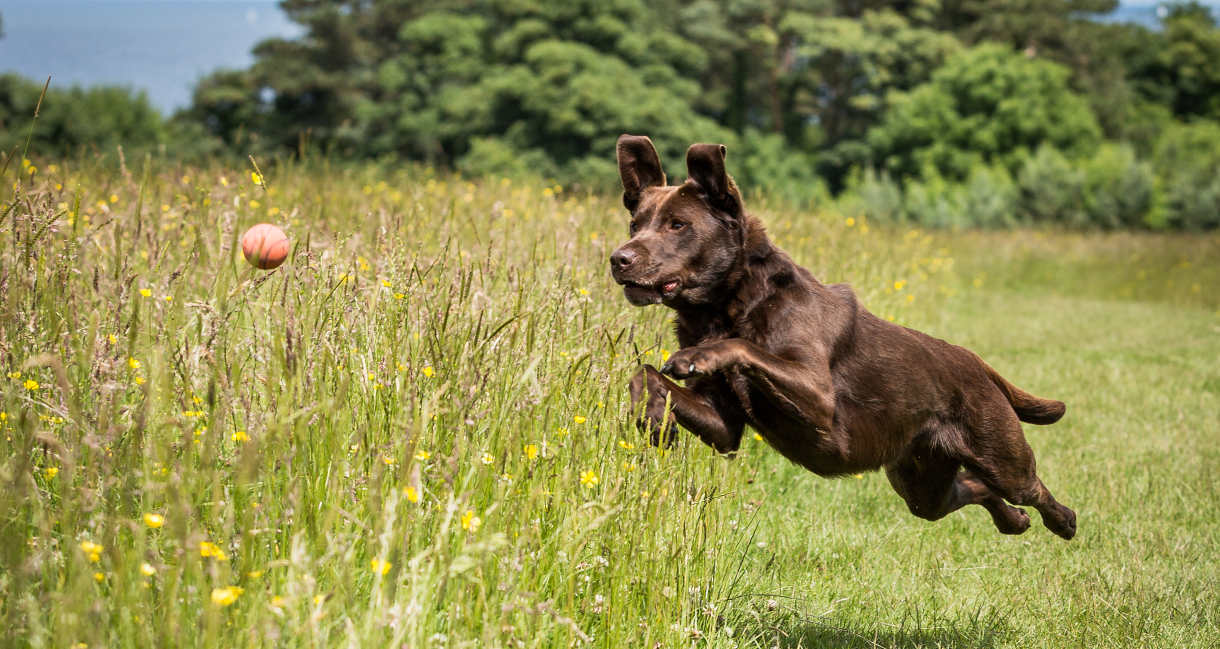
705,166
639,166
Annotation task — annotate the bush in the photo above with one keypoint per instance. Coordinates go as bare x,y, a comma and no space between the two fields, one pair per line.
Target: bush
1119,190
765,164
1051,189
1187,160
99,117
986,105
874,195
989,199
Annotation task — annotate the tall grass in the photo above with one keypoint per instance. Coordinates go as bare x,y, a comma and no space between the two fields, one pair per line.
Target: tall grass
414,433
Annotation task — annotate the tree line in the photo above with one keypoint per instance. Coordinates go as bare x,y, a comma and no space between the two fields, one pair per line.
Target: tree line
946,112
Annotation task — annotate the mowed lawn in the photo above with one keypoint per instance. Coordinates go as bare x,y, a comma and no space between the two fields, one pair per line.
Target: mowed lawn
415,432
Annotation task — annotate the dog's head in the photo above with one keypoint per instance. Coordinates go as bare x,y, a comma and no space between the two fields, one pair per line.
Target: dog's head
685,239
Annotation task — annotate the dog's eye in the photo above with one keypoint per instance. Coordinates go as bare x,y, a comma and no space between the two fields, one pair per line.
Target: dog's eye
676,225
633,227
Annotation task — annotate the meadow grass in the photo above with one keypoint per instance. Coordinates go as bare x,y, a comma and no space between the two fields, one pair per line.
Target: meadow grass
414,433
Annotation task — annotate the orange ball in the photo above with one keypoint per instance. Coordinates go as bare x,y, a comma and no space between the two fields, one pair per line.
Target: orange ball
265,246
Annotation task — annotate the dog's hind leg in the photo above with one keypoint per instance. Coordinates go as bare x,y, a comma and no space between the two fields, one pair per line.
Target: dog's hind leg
1004,461
933,487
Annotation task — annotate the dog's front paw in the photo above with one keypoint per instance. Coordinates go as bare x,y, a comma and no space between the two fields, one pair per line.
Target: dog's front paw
695,361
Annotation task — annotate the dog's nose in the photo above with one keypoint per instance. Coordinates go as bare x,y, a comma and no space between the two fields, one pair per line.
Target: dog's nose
621,259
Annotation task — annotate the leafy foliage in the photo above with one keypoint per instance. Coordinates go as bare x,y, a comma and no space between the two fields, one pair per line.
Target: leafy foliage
957,110
985,105
70,120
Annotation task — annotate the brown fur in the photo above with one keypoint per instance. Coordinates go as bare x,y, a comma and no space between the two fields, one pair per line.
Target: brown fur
826,383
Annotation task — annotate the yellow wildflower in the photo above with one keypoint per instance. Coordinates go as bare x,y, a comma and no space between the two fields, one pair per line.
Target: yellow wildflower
757,437
579,419
428,371
50,472
240,436
154,520
114,198
531,451
412,494
470,522
133,363
31,384
380,566
422,456
209,549
628,467
588,479
146,292
93,550
98,577
227,595
625,444
147,569
488,458
386,283
258,179
899,284
14,375
849,221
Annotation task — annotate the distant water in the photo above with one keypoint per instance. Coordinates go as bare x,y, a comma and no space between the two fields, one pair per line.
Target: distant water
160,46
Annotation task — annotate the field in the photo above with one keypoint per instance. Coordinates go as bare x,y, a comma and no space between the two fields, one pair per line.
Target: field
414,433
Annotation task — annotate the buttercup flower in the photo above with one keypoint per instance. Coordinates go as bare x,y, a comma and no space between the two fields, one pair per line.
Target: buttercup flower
588,479
470,522
209,549
154,520
227,595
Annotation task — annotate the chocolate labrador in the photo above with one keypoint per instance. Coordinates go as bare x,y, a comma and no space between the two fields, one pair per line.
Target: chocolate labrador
826,383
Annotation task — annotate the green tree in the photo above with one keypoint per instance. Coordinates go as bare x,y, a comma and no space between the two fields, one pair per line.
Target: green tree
986,105
76,119
1185,72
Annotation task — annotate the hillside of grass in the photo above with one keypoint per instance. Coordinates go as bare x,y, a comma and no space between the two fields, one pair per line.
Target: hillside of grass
414,432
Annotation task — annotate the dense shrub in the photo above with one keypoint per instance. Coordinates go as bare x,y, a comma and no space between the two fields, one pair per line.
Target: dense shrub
1187,160
986,105
1051,189
76,119
1119,190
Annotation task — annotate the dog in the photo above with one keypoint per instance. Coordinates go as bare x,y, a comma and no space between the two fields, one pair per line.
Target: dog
825,382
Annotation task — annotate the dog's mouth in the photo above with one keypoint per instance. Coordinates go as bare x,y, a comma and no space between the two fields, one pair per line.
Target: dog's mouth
644,293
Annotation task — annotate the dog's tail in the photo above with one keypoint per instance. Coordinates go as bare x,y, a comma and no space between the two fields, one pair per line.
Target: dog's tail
1030,409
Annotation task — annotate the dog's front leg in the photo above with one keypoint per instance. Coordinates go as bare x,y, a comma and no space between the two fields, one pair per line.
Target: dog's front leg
693,411
801,386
